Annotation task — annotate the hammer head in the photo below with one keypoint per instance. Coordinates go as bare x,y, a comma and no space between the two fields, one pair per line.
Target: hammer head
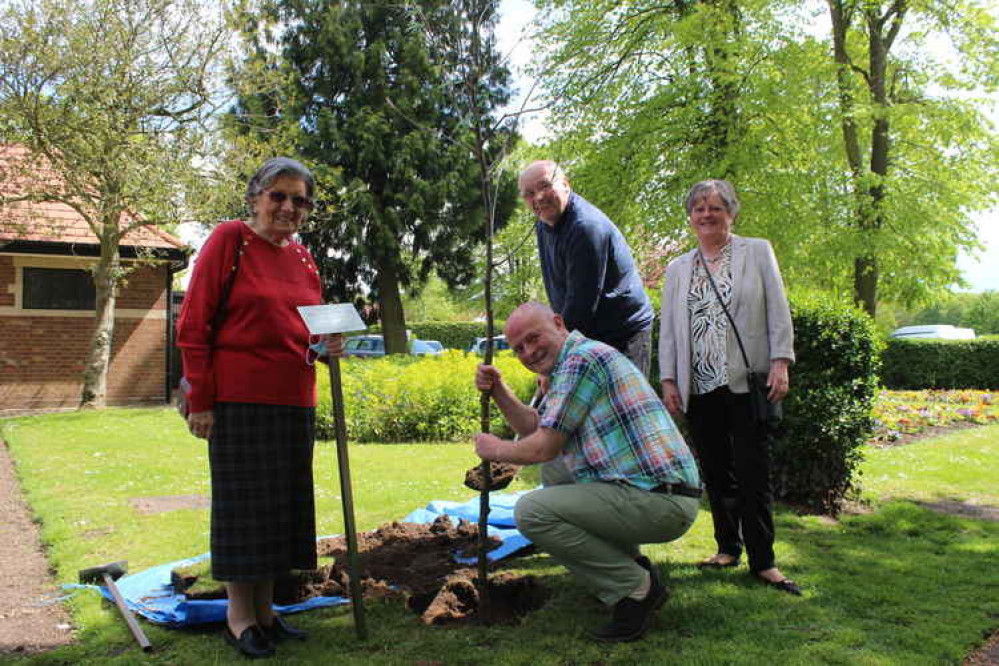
96,574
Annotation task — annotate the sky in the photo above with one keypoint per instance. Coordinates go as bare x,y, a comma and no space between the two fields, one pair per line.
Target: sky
980,271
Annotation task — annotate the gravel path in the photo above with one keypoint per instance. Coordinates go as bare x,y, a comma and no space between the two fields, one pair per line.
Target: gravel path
30,618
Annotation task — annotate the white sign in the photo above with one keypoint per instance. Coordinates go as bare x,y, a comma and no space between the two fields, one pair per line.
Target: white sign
333,318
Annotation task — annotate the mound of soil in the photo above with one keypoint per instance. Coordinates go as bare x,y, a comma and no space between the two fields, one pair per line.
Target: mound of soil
402,560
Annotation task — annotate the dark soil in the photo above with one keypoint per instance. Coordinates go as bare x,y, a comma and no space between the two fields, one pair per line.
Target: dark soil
500,476
408,561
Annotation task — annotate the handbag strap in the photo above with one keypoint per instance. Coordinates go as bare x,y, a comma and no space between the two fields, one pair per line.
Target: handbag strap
721,302
220,311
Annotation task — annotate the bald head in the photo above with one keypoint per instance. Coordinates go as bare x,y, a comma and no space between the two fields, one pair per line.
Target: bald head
545,189
536,335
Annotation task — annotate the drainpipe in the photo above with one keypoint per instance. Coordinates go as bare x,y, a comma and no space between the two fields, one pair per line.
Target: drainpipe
169,332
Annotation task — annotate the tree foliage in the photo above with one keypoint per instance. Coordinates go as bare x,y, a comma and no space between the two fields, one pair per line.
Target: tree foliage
108,95
367,98
653,97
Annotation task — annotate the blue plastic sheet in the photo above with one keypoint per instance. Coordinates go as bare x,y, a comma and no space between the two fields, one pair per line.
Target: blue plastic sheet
150,593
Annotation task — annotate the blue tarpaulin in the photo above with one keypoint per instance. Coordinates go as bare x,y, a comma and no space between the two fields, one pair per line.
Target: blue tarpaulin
150,593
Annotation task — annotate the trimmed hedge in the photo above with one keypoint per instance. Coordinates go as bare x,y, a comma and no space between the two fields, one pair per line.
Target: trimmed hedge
941,364
828,411
404,398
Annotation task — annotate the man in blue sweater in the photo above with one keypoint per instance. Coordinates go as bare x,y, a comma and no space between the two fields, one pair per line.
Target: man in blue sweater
590,276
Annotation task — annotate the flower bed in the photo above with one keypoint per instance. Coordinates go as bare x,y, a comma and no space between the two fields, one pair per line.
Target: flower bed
901,413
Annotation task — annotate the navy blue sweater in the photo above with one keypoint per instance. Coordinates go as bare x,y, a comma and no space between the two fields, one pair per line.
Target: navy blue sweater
590,276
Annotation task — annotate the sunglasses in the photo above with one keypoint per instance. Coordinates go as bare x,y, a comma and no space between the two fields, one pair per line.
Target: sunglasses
301,203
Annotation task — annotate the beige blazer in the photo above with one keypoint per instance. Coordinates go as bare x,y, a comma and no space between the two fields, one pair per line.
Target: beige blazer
759,308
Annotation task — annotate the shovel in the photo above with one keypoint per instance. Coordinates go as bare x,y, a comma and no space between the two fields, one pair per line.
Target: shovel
320,320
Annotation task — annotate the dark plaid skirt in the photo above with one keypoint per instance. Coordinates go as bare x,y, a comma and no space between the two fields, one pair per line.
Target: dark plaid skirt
263,509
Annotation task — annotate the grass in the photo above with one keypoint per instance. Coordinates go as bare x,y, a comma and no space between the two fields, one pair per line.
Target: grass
901,585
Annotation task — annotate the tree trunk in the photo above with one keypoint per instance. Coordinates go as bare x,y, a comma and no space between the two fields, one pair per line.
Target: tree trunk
723,125
869,215
865,283
95,374
390,307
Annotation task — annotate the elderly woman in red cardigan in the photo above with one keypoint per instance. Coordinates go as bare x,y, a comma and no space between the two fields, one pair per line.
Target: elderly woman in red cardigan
252,396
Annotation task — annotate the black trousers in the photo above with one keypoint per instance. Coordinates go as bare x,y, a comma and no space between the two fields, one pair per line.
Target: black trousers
734,454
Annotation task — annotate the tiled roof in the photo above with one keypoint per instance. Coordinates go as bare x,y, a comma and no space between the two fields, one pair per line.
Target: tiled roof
56,222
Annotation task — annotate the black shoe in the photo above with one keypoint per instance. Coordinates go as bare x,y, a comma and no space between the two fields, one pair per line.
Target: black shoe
631,618
786,585
713,563
281,630
646,564
251,643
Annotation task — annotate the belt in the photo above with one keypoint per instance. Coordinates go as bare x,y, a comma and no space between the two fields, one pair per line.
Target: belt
678,489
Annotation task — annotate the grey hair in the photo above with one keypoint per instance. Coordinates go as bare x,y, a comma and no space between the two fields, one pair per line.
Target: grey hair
722,188
275,168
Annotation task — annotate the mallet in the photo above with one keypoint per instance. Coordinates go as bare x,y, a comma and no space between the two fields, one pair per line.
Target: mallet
328,319
108,574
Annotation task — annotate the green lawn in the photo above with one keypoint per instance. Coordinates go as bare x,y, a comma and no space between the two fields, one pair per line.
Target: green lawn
901,585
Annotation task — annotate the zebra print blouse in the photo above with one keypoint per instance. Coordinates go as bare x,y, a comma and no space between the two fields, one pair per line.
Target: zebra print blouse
709,325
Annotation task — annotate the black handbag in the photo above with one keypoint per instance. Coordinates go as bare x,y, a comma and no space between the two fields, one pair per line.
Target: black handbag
763,411
184,387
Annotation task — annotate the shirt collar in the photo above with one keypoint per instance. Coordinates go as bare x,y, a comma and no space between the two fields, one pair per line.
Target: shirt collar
573,339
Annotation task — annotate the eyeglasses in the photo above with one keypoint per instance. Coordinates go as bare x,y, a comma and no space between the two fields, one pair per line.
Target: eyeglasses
301,203
543,187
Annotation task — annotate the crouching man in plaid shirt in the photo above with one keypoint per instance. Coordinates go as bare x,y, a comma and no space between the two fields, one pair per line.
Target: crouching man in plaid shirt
635,479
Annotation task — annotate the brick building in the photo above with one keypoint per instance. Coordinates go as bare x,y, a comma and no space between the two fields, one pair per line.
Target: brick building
47,308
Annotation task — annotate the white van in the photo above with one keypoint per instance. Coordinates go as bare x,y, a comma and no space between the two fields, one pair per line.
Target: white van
941,331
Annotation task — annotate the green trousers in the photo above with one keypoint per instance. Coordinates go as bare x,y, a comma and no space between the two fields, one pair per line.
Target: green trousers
594,530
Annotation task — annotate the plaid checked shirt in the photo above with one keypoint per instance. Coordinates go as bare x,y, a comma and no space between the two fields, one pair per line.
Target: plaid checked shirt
618,429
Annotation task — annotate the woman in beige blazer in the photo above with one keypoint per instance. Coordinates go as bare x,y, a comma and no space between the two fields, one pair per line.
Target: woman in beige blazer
705,377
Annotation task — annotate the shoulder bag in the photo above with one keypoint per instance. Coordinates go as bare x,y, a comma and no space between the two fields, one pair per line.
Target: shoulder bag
184,387
763,411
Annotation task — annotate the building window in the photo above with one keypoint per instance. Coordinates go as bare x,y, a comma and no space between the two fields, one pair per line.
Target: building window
58,289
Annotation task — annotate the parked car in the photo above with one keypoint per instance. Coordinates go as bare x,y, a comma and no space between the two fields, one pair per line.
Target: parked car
373,346
941,331
427,348
365,346
479,346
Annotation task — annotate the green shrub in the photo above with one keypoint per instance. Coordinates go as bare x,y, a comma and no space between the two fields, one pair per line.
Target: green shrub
828,411
408,398
912,364
453,335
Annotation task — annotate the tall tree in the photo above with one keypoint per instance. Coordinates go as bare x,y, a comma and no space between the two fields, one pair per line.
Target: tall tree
882,90
108,95
657,96
371,107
